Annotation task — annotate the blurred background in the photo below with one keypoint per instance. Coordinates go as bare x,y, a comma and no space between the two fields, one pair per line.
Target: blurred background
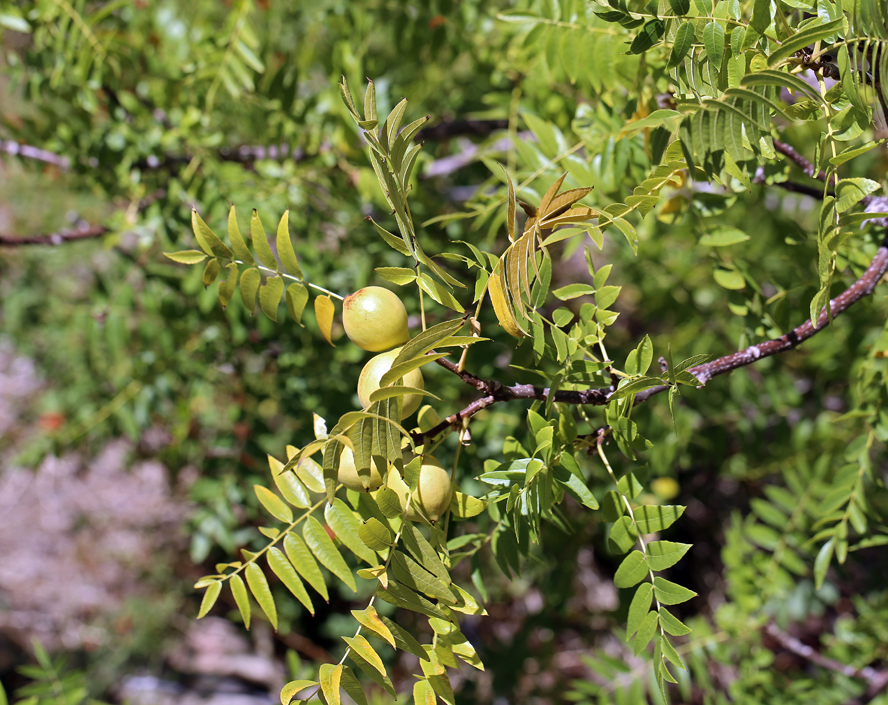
136,413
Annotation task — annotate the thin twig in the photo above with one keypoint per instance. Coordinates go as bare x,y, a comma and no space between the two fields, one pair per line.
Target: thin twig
26,151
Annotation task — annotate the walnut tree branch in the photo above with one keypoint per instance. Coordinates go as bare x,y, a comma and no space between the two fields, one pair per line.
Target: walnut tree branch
494,391
58,238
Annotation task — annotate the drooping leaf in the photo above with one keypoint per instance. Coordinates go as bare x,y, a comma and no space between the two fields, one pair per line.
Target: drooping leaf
285,247
324,311
259,587
249,287
305,564
346,526
186,256
330,677
639,608
367,652
209,598
668,593
369,618
284,570
260,242
325,551
239,590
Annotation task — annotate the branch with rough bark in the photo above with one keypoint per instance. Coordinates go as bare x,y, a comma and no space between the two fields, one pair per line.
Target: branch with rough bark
494,391
58,238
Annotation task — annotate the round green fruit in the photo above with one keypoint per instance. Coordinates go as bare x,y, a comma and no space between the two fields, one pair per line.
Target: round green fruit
373,371
432,493
375,319
348,473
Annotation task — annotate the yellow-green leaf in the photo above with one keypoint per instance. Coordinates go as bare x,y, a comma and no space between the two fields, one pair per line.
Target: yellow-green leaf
282,568
260,242
270,296
465,651
285,247
423,552
351,686
370,619
209,598
499,297
653,518
423,694
330,677
273,504
211,271
362,646
289,691
632,570
207,239
186,256
249,287
410,573
404,640
259,587
289,485
239,590
376,535
346,526
296,297
227,288
373,674
305,564
241,251
323,548
324,310
465,506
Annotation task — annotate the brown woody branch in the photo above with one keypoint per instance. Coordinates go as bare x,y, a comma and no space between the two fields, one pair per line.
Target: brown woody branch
494,391
460,128
876,680
26,151
58,238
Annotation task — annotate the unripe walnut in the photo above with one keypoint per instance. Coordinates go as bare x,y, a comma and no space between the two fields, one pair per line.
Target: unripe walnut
375,319
348,473
373,371
432,493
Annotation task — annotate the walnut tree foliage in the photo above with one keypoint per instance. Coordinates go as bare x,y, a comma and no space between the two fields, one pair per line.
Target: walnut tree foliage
679,186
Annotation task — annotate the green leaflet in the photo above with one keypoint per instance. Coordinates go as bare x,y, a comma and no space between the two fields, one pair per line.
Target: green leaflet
186,256
285,572
209,598
346,526
330,677
296,298
270,296
259,587
285,247
305,564
632,570
289,691
423,694
646,631
350,685
375,535
639,608
249,287
652,518
369,618
360,645
402,596
273,504
260,242
372,673
325,551
410,573
404,640
665,554
669,593
207,239
239,590
623,535
241,251
714,42
289,485
672,625
423,552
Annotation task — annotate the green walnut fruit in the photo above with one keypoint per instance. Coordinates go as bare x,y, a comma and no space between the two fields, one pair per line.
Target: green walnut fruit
373,371
375,319
348,473
432,493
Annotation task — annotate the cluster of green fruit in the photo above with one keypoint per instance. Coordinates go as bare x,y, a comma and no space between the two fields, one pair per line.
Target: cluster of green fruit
375,319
